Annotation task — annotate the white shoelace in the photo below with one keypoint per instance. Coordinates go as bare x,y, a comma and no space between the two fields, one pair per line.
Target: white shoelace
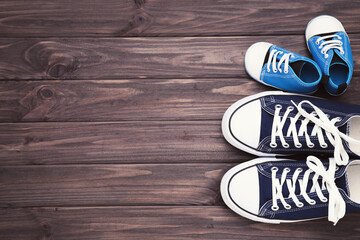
321,123
336,205
284,59
330,44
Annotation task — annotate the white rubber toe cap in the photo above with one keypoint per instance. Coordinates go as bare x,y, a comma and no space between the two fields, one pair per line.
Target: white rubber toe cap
254,58
322,25
245,123
240,190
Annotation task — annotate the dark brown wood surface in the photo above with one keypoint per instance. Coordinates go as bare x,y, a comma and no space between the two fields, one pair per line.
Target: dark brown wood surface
114,18
115,142
110,115
159,222
130,100
109,58
102,185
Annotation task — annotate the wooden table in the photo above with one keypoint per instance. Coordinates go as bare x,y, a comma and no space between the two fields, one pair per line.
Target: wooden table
110,115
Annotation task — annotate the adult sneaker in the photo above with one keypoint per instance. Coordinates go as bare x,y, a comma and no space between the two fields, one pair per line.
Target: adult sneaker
282,69
279,123
330,47
274,190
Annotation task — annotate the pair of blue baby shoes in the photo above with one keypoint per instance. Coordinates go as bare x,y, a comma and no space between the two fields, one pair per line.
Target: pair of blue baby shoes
324,180
329,45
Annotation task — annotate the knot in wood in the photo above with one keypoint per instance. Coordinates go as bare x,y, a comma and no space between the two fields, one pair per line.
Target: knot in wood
45,93
57,70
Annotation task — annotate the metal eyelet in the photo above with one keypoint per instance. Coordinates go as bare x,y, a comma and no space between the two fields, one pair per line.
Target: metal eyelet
311,145
287,206
342,52
273,145
286,71
278,106
300,205
286,145
324,145
274,208
312,202
317,42
290,108
324,199
275,70
299,169
274,169
287,169
298,145
339,119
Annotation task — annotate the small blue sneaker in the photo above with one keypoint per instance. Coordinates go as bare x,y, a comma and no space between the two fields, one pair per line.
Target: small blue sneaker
330,47
282,69
278,123
274,190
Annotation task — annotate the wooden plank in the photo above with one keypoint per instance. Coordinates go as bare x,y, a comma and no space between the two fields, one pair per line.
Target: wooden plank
118,100
103,58
118,142
114,100
84,185
196,222
20,18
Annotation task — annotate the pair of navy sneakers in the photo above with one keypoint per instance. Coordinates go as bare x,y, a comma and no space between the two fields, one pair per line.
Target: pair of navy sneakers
329,45
324,135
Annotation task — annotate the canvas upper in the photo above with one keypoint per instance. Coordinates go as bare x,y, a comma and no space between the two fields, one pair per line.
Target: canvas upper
330,47
281,190
282,69
269,124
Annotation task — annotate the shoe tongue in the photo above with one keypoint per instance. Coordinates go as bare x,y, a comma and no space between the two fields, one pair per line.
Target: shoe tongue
344,127
337,60
266,190
297,66
341,183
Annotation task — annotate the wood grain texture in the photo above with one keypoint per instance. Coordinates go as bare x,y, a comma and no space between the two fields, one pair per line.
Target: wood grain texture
101,185
20,18
118,142
118,100
111,58
114,100
193,222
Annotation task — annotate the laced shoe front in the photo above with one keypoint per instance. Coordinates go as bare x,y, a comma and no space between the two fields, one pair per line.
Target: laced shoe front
277,67
281,190
330,47
278,123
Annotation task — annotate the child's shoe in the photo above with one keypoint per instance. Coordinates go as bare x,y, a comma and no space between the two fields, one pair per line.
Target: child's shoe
330,47
282,69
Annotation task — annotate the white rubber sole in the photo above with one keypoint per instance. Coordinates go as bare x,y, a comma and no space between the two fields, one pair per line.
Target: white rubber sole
226,196
229,112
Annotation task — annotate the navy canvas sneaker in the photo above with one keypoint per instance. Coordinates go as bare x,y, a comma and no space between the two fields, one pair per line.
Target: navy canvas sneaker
279,123
274,190
330,47
282,69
